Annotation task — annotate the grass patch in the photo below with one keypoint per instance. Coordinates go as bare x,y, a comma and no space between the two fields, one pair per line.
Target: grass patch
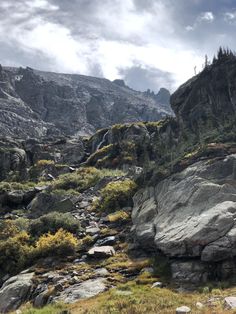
56,308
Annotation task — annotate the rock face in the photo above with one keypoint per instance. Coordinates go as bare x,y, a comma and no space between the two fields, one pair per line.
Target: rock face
36,104
15,291
207,99
191,213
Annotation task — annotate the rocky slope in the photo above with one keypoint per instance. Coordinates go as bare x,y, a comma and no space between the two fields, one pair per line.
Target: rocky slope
136,203
36,104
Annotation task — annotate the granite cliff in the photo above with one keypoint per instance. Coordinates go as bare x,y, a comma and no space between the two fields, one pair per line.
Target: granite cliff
35,104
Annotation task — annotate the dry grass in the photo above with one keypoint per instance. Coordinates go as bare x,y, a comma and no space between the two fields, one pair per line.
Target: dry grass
144,299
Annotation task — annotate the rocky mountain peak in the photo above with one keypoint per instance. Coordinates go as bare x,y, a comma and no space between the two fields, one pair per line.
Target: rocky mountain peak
56,103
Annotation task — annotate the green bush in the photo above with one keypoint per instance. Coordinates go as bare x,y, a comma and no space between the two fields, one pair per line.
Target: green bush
116,195
45,163
82,179
62,243
52,222
14,253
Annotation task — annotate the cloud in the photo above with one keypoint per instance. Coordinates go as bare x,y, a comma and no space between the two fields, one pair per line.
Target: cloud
206,16
139,78
157,41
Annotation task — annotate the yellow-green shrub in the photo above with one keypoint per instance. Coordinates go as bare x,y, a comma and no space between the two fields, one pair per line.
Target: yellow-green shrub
61,243
14,253
83,178
116,195
44,163
8,229
118,216
52,222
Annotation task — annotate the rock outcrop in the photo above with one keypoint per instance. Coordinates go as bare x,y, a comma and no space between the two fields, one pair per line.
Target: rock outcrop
36,104
15,291
191,214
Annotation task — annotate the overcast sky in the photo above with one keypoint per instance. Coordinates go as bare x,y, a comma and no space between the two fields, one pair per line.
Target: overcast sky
148,43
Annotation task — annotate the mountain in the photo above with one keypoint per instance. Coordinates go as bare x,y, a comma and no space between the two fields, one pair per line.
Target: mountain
35,103
138,204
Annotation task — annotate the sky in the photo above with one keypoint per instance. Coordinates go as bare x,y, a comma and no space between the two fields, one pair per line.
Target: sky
148,43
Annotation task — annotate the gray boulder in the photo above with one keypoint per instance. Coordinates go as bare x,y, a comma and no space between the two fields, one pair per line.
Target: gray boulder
47,202
15,291
85,290
192,213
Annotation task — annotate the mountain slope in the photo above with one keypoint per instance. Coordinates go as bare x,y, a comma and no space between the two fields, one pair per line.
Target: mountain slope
36,103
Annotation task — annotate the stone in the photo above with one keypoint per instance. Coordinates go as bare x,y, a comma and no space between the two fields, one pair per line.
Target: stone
41,299
199,305
157,284
106,241
92,230
101,251
230,302
84,290
15,291
183,310
15,197
191,213
101,272
44,203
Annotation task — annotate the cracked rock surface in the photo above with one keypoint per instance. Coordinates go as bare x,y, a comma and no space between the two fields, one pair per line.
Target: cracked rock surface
191,213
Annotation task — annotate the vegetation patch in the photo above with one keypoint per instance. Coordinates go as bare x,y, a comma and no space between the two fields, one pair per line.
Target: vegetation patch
52,222
116,195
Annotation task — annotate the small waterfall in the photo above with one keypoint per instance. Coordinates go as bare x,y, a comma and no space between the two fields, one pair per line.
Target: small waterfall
102,141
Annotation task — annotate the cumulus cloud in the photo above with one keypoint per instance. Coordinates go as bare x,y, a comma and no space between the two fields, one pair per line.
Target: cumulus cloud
150,43
206,16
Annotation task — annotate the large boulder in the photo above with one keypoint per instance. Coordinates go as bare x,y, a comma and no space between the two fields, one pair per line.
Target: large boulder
15,291
191,213
46,202
84,290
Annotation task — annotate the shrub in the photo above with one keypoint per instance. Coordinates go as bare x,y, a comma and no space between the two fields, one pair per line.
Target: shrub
61,243
116,195
80,180
83,179
52,222
119,216
14,253
8,229
44,163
